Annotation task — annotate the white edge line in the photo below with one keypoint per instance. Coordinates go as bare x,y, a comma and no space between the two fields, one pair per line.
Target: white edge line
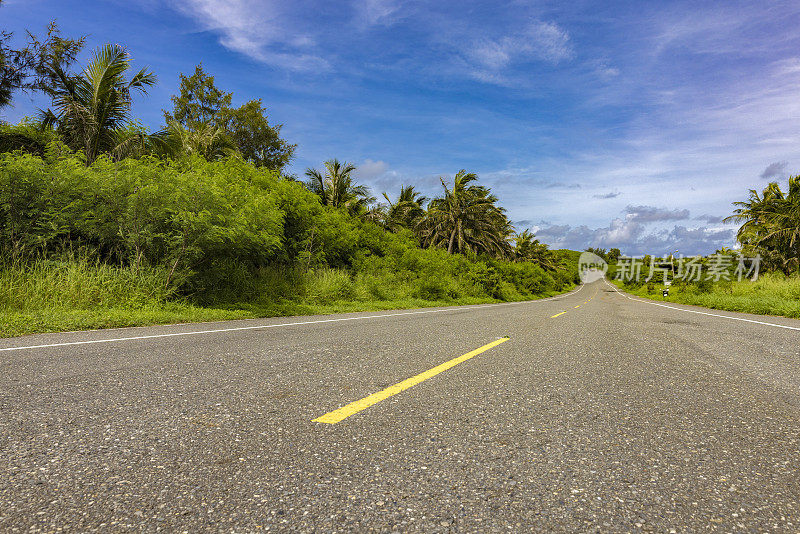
260,327
701,312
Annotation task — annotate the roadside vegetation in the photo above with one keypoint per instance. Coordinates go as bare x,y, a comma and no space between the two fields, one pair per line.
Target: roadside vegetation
104,223
771,226
770,231
773,293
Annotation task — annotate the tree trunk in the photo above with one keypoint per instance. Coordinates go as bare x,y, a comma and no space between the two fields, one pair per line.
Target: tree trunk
175,264
452,238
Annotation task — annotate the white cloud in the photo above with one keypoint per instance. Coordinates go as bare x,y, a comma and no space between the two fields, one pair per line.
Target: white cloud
257,29
701,140
787,66
652,214
620,232
547,41
379,177
377,12
603,69
604,196
492,54
635,238
711,219
279,34
539,41
370,170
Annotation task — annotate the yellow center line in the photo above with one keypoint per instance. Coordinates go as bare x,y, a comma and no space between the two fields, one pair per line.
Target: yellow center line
355,407
590,298
575,307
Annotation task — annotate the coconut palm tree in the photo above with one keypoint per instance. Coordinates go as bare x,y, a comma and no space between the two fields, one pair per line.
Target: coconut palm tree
528,248
466,219
91,110
336,188
407,211
771,225
205,139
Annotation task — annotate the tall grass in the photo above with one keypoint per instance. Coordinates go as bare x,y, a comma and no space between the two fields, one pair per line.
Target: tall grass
275,287
772,294
78,293
326,286
81,284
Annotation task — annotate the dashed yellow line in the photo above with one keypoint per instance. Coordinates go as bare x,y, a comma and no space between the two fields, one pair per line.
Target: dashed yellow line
355,407
575,307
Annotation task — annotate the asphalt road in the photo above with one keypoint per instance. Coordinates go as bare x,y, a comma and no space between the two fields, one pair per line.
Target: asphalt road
618,415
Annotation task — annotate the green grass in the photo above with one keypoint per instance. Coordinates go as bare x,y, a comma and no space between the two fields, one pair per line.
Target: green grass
18,323
78,294
53,296
771,294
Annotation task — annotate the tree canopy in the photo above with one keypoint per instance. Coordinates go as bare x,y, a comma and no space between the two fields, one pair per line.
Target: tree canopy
201,106
92,108
407,211
31,68
771,225
199,102
335,187
466,218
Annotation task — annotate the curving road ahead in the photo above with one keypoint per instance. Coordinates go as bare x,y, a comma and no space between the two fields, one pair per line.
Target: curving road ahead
600,412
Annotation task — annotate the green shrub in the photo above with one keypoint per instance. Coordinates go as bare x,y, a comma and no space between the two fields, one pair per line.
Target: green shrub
508,292
26,137
704,286
328,285
431,287
376,286
224,234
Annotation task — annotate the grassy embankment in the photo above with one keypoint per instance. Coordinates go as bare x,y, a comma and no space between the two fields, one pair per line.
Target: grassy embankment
771,294
53,296
148,241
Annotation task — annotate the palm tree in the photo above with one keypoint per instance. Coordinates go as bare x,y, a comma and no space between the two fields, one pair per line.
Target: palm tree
528,248
204,139
772,225
407,211
467,219
92,109
336,188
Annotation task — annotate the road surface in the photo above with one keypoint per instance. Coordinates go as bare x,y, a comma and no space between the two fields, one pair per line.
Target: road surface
599,412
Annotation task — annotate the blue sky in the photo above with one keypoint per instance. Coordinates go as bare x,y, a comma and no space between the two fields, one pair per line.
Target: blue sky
614,124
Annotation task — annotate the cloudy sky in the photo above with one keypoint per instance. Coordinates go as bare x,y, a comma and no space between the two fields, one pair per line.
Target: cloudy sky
598,123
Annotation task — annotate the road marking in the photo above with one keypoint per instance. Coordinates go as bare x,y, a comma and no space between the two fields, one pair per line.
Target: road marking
575,307
298,323
701,312
359,405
